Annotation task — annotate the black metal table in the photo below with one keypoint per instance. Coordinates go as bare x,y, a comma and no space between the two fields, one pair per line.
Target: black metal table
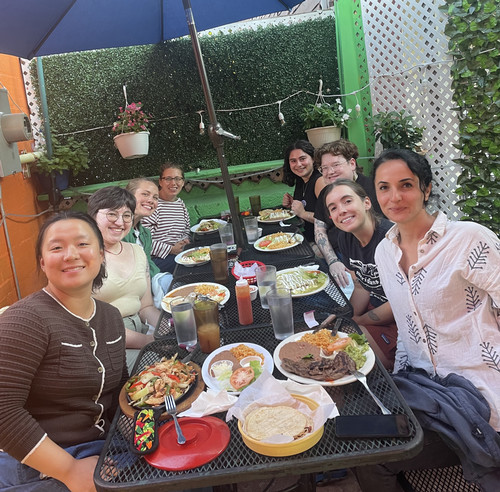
119,469
329,301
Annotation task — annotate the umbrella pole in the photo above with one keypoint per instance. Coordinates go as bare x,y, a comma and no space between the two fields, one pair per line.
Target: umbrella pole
215,130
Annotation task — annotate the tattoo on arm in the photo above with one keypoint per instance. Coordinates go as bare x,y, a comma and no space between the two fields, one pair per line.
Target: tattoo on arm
373,316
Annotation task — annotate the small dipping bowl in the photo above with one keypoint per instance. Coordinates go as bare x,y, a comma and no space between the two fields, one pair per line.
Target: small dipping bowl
259,231
253,292
246,360
219,366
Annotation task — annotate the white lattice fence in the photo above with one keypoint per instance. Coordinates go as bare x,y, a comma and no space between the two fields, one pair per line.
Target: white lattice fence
409,69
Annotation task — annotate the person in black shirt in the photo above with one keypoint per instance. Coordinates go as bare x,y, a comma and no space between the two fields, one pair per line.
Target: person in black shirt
337,160
299,171
360,230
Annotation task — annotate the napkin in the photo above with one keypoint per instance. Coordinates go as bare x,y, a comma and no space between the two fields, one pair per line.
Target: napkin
209,402
241,271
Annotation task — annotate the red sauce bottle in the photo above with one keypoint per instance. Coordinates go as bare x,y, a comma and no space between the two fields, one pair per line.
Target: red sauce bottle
245,314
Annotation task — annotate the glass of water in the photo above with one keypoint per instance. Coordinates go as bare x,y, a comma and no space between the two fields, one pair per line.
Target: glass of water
184,322
266,280
280,306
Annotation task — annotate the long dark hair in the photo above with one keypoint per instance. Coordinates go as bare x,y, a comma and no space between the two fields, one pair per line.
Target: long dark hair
67,215
416,163
356,188
289,178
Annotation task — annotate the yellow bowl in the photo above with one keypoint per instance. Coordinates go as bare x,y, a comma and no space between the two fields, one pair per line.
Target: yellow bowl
288,449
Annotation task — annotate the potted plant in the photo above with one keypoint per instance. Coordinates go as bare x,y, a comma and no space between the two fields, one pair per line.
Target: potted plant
323,121
70,157
132,140
396,130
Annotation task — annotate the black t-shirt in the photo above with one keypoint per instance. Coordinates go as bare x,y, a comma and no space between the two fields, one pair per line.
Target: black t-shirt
321,212
305,193
361,260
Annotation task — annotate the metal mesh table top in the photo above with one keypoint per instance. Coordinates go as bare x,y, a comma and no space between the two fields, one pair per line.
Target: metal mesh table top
119,469
329,301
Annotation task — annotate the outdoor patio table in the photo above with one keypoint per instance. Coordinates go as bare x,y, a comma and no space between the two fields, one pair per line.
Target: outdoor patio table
119,469
330,300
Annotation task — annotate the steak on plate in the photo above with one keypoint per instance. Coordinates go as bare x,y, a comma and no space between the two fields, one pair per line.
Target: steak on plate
323,369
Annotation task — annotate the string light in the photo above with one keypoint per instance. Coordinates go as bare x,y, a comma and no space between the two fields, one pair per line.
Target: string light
280,114
318,95
201,125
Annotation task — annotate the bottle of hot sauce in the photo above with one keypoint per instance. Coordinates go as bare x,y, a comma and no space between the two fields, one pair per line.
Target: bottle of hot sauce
244,302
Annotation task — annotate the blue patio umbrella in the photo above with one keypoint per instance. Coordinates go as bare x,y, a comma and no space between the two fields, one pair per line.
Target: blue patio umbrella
30,28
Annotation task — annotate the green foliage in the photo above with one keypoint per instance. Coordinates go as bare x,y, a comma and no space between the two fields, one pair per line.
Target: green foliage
245,69
396,130
325,114
473,29
71,155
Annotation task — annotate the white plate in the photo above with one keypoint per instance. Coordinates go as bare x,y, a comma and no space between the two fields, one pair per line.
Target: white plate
299,238
196,227
190,288
319,289
212,383
181,254
367,367
291,215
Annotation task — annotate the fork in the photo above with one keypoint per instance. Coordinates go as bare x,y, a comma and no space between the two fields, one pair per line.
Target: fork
362,379
172,410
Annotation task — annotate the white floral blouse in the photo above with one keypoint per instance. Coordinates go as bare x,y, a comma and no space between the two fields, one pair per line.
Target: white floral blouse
447,308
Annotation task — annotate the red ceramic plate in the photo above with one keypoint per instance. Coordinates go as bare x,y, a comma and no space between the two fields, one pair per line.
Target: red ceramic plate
206,438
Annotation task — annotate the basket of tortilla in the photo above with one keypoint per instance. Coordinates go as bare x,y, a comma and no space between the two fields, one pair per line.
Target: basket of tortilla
274,215
246,269
169,376
280,430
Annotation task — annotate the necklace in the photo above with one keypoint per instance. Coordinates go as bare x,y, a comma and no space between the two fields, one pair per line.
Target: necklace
116,254
304,191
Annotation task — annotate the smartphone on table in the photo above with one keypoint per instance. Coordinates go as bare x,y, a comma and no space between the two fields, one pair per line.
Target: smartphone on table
371,426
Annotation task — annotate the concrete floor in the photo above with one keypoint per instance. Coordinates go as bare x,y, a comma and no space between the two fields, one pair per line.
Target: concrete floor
347,484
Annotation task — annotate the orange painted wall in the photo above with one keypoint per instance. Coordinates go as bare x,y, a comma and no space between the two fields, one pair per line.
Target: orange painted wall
18,197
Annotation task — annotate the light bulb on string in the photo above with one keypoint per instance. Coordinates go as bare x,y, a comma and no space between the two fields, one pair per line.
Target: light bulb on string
201,125
280,114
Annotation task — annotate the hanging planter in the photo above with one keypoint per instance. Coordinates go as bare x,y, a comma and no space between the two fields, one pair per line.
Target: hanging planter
132,145
132,140
322,135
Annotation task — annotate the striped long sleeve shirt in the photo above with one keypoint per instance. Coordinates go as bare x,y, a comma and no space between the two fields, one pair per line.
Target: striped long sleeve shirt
169,224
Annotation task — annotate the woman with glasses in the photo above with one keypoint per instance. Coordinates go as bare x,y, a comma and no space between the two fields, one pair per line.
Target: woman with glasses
145,191
169,223
128,284
299,171
337,160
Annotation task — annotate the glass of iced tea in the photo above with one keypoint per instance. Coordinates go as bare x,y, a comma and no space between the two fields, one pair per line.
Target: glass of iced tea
206,314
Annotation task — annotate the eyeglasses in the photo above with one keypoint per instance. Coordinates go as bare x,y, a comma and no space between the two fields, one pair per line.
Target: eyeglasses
169,179
337,165
113,216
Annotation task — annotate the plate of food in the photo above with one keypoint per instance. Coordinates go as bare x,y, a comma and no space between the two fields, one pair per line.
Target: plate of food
148,388
235,366
208,226
302,281
271,216
216,292
278,241
321,358
193,257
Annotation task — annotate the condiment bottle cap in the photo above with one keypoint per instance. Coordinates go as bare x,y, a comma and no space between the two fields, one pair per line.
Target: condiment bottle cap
241,281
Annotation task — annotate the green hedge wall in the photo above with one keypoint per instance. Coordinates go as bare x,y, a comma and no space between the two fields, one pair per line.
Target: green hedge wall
249,68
